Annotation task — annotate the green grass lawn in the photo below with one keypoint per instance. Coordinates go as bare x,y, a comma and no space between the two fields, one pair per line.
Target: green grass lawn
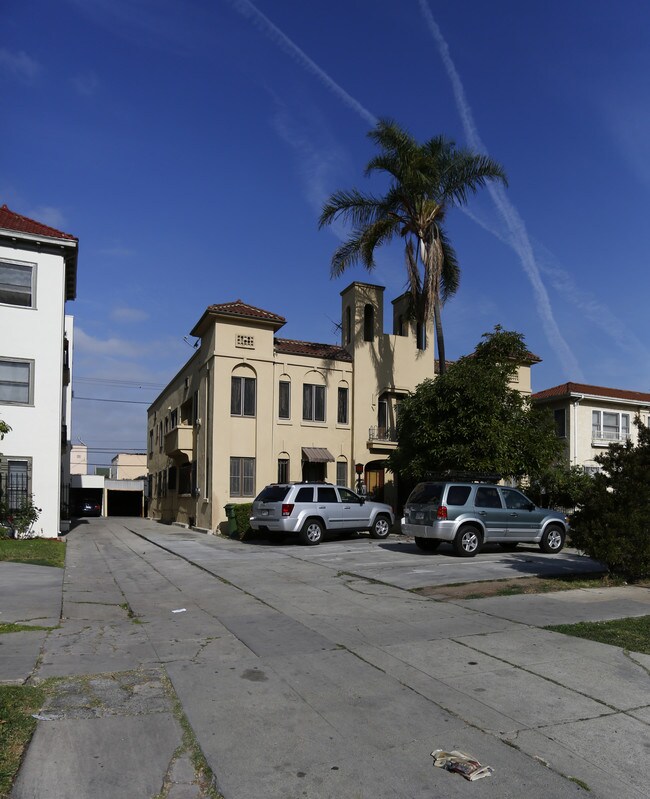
39,551
632,634
17,703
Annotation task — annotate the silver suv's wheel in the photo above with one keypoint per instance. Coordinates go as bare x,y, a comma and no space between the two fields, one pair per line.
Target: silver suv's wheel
468,541
312,532
552,540
381,527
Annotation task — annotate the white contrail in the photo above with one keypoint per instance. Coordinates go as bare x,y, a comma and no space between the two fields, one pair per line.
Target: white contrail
518,238
261,21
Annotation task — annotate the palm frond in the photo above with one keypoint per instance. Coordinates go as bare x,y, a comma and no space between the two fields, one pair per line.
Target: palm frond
352,206
450,272
347,255
373,236
466,172
361,246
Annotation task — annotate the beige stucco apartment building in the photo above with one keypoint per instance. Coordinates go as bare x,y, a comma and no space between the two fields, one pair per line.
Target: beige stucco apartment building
590,418
251,408
128,466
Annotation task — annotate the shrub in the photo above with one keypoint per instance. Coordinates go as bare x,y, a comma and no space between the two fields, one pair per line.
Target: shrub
21,520
242,516
613,524
558,486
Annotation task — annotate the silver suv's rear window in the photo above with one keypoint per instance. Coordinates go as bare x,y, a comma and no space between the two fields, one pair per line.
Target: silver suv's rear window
426,494
457,495
273,494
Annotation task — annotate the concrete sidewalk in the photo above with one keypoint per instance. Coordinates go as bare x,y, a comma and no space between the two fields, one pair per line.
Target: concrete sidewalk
301,677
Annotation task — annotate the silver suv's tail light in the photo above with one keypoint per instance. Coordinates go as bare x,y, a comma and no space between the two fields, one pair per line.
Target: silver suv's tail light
286,509
442,512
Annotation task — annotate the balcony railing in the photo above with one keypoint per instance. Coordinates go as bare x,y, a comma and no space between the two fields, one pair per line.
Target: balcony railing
179,442
382,434
606,437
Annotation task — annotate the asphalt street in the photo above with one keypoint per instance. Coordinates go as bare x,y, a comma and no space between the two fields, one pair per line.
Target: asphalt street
313,672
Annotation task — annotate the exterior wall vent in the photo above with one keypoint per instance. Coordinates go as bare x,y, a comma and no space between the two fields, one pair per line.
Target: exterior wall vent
246,341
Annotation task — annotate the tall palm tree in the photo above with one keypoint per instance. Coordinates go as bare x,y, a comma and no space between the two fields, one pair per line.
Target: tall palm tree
425,181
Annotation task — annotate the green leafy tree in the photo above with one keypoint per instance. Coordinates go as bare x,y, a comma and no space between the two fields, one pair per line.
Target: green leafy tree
613,523
426,180
472,419
558,486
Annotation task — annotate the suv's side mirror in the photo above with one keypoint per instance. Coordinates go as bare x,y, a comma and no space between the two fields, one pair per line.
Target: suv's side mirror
531,506
361,500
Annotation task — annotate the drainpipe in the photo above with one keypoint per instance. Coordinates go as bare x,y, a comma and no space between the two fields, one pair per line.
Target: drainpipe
576,402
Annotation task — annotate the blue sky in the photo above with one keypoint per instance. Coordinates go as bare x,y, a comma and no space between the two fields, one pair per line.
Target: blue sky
190,146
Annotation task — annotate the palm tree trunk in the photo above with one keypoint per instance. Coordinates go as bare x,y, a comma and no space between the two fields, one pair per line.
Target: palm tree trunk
440,338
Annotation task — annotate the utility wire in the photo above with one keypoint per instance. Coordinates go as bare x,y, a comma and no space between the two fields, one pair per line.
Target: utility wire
103,399
108,381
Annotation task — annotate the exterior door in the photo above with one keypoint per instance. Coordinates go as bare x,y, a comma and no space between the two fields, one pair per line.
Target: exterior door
354,515
491,512
523,522
313,472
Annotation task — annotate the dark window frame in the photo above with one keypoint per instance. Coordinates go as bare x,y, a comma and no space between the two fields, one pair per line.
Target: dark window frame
284,403
310,401
342,405
243,401
238,473
283,470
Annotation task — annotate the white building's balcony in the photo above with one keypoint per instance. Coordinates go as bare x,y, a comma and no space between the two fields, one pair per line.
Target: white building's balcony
603,438
179,442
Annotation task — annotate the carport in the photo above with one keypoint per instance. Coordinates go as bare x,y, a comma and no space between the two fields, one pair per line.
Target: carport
124,498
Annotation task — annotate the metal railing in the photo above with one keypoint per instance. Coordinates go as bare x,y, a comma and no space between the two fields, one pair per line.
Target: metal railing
382,434
610,436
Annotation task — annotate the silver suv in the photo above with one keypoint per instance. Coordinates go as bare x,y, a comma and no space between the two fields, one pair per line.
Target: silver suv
311,509
470,514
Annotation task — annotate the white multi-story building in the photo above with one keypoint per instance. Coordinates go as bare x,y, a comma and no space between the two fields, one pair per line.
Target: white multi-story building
590,418
38,274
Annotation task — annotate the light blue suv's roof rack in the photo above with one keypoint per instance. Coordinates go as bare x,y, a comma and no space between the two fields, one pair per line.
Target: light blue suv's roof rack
463,477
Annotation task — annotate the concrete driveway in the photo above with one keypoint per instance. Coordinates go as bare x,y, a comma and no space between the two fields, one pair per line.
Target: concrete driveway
397,561
311,673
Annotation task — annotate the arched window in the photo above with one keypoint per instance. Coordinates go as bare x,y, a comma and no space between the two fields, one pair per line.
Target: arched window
368,323
243,391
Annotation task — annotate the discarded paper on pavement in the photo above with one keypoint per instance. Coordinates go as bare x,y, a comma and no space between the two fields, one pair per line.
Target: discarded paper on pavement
461,763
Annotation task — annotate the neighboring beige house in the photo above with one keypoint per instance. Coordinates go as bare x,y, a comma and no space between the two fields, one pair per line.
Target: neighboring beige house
250,408
79,459
590,418
128,466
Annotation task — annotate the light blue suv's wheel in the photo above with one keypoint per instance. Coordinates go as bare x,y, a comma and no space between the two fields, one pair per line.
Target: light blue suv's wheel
381,527
468,541
552,540
312,532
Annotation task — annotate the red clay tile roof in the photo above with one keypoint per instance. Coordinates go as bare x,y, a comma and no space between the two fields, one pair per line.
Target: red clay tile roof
10,220
239,308
566,389
328,351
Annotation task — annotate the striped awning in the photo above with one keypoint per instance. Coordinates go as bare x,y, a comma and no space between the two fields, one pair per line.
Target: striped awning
317,455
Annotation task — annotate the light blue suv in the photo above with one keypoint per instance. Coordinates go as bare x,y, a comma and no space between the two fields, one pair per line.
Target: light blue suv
471,514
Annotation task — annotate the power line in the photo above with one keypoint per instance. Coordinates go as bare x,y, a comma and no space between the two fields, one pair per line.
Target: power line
103,399
108,381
